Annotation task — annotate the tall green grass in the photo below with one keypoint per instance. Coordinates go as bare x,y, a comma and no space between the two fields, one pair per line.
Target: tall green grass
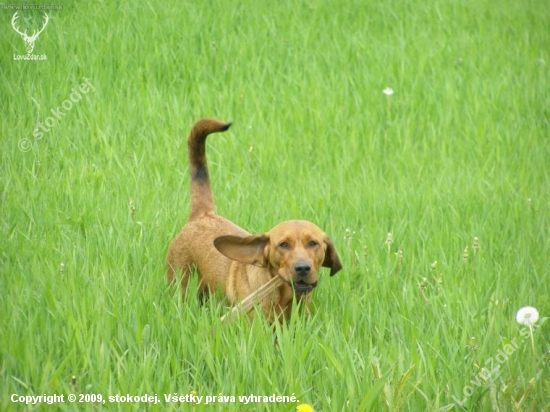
459,151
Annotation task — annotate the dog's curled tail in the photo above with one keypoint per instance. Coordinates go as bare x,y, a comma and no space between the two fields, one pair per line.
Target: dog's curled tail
202,201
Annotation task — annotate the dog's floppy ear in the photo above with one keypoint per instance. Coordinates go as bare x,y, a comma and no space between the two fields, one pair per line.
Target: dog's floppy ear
332,260
249,249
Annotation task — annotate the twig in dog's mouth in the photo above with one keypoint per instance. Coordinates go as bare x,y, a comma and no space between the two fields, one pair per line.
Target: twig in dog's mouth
247,303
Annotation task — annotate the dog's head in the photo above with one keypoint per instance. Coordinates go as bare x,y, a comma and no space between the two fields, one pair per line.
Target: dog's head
295,250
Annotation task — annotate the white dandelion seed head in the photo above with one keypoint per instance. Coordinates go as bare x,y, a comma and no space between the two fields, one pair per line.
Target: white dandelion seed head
527,316
388,91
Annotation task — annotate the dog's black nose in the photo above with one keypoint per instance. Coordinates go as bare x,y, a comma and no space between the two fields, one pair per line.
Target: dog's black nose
302,269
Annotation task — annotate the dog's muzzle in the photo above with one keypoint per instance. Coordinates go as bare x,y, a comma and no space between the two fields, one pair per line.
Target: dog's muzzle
303,287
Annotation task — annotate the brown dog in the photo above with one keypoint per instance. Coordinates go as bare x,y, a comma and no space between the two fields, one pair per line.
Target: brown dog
229,258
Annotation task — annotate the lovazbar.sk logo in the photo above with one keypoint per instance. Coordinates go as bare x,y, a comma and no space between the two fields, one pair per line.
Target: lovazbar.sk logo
29,40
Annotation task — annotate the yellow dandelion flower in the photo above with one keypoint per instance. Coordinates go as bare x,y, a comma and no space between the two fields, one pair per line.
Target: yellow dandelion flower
305,408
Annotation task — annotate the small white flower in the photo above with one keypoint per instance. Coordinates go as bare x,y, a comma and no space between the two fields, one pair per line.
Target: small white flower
388,91
527,316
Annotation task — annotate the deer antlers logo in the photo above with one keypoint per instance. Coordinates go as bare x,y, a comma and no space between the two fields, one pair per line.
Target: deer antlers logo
29,40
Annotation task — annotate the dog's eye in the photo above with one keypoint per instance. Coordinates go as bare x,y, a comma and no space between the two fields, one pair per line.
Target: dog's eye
312,243
284,245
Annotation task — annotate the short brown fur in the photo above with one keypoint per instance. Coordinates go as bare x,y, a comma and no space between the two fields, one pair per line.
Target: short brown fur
230,259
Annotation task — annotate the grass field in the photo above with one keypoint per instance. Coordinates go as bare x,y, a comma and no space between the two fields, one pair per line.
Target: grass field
455,164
